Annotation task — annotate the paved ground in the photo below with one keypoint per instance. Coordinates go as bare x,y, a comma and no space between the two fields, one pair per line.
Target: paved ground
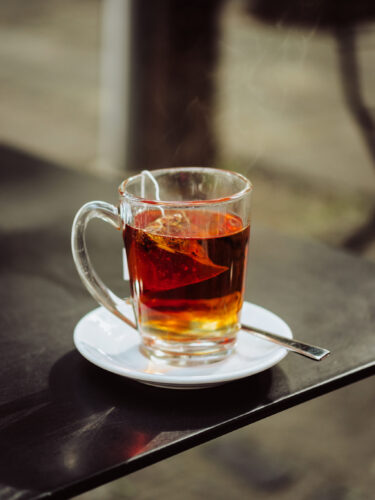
281,117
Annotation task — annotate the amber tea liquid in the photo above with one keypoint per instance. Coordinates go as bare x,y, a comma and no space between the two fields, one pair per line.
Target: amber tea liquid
187,272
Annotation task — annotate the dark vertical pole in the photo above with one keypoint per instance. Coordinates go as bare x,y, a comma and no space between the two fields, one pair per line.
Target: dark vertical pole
173,61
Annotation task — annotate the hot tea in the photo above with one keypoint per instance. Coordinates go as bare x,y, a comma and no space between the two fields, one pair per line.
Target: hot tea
187,271
186,232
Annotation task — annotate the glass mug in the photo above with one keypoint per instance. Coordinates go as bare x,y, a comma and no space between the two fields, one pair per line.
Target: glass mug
186,233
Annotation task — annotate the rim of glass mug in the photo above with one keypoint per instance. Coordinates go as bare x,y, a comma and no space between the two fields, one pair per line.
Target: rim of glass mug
248,186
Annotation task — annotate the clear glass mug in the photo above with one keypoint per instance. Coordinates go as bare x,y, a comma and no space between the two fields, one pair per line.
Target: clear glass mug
186,233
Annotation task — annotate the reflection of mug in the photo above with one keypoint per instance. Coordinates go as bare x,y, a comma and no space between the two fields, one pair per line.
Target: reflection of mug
186,233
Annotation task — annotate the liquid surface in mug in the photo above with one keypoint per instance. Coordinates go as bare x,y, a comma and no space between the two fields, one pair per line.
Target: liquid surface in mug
187,271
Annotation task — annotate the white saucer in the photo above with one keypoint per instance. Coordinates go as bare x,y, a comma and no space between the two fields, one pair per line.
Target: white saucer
108,342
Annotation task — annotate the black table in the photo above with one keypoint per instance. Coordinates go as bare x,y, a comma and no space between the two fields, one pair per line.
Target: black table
67,426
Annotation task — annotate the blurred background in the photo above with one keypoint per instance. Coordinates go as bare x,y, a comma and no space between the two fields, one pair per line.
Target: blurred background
281,91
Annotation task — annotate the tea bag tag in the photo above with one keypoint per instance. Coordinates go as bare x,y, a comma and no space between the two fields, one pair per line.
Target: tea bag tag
125,269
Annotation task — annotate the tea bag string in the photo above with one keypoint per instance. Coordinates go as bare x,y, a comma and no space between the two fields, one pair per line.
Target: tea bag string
156,186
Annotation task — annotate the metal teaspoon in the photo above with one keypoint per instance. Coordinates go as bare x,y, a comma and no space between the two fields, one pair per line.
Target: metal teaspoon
310,351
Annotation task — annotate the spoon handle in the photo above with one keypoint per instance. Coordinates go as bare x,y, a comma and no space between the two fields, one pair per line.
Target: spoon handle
310,351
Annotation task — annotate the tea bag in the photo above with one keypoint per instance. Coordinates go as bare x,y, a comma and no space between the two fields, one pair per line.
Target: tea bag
186,261
175,224
191,263
178,226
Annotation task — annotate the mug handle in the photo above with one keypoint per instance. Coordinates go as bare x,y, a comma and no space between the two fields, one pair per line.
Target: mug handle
96,287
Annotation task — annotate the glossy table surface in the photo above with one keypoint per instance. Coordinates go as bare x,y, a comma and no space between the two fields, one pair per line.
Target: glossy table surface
67,426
